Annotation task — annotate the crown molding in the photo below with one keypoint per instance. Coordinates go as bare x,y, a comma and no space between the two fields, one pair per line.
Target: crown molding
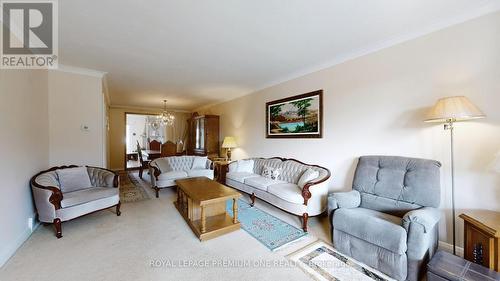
437,26
80,70
145,108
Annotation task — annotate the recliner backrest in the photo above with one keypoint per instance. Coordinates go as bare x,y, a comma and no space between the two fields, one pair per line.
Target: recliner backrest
396,185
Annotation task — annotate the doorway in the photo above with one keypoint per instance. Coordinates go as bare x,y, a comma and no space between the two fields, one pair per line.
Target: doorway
139,132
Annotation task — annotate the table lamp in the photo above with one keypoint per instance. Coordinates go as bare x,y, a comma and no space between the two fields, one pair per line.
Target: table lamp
448,111
229,142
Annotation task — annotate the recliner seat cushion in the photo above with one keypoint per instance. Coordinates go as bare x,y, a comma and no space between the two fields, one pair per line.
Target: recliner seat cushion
87,195
287,191
240,176
378,228
261,183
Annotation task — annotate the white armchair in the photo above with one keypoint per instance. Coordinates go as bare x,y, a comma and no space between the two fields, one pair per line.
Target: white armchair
56,203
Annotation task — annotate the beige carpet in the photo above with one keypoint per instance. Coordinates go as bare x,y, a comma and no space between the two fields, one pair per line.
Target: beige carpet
102,246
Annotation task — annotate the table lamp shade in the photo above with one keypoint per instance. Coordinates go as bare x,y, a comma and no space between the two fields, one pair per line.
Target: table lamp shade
229,142
453,109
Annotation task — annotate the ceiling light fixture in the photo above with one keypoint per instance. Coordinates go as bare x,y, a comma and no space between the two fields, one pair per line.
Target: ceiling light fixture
166,118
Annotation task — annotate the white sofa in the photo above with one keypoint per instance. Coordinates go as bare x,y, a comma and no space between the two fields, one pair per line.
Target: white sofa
166,170
288,191
58,199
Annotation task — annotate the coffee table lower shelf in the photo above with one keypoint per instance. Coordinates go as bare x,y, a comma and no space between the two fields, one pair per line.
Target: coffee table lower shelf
214,225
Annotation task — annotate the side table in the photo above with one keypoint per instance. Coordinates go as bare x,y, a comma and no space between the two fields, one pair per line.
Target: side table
220,170
481,238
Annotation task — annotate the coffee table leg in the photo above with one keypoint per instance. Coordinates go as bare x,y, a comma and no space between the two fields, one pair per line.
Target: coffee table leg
178,196
203,220
235,210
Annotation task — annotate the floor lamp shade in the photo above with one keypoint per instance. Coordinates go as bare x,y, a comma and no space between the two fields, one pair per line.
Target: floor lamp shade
450,110
453,109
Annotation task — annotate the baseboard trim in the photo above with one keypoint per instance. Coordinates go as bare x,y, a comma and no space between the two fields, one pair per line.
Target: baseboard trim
449,248
11,248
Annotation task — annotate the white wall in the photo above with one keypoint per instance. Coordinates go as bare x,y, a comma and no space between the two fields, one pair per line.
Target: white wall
40,117
25,145
76,100
375,104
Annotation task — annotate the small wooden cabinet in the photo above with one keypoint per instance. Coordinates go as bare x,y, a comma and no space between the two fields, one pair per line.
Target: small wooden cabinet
481,238
203,135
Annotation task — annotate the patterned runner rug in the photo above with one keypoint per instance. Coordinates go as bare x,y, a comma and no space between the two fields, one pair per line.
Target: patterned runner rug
131,190
322,262
267,229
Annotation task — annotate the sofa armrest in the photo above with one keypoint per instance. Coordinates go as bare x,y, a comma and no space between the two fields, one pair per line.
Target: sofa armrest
47,201
209,164
427,217
350,199
306,194
155,172
46,195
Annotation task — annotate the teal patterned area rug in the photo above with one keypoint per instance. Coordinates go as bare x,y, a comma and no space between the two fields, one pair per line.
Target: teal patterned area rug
268,229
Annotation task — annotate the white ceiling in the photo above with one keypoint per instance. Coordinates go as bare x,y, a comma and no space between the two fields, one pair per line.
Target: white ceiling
199,52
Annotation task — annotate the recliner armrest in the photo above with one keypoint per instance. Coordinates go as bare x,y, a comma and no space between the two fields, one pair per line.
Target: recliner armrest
350,199
427,217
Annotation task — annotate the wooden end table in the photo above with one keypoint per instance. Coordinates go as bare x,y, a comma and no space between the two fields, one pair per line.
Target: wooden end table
481,237
220,170
202,203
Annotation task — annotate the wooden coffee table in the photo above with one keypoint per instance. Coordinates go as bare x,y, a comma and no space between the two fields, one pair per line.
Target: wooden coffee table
202,203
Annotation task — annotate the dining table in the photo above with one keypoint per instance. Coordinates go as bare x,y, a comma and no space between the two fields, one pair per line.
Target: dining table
152,154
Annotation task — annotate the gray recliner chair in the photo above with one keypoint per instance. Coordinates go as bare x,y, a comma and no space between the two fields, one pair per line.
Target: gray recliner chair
389,220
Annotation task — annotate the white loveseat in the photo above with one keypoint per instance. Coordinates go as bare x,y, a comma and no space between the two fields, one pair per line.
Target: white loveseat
67,192
288,191
166,170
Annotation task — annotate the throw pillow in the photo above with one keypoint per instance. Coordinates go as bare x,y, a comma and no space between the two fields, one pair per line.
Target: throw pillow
271,173
199,163
73,179
233,167
267,172
307,176
245,166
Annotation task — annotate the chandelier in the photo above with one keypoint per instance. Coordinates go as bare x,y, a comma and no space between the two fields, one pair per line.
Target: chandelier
165,118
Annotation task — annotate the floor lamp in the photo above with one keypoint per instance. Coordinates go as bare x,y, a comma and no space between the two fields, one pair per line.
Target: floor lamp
448,111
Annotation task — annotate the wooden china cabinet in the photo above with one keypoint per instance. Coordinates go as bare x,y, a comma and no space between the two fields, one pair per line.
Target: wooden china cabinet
203,135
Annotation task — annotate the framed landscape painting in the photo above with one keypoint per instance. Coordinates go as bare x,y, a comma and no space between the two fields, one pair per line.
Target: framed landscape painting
295,117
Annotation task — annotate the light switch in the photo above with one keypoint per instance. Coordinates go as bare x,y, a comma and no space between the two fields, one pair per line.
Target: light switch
84,128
